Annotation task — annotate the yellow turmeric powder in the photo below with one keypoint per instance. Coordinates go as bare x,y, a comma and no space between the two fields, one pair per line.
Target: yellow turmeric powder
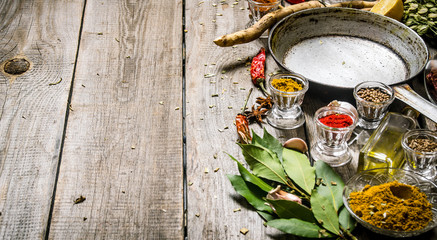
393,206
286,85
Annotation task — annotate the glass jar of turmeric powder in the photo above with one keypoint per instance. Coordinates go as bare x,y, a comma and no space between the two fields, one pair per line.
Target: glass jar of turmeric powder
287,91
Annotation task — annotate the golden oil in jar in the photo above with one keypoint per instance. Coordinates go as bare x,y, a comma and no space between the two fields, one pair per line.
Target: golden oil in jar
384,149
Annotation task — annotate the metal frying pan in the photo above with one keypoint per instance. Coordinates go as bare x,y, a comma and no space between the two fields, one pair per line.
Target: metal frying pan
338,48
341,47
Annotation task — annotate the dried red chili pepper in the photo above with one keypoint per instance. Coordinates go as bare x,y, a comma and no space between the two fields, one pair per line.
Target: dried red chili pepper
257,69
243,124
243,129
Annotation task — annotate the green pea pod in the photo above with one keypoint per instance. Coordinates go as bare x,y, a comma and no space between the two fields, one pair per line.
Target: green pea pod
422,10
422,29
409,22
416,17
429,5
433,10
414,27
414,6
432,15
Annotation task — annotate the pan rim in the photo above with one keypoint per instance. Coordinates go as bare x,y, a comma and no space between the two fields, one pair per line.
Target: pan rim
315,11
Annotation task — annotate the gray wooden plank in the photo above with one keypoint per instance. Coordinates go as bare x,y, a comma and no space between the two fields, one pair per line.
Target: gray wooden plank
32,110
211,133
123,149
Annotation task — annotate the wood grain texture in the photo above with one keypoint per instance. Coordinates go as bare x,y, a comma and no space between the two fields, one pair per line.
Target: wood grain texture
32,112
211,133
123,148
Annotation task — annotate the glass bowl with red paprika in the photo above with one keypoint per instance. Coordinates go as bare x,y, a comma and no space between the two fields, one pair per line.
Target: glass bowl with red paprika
334,125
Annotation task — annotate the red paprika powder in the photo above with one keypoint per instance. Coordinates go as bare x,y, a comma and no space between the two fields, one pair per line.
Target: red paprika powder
337,120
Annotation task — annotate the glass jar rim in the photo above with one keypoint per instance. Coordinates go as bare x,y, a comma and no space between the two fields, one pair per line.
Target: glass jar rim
294,76
334,110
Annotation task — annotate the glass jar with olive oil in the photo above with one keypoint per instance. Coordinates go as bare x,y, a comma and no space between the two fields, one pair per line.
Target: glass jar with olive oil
384,149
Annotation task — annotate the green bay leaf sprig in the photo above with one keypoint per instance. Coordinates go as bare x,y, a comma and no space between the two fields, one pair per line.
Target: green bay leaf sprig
319,211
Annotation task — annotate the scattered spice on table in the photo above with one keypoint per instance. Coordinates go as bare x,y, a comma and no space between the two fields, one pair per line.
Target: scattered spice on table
286,85
376,95
257,70
393,206
237,210
79,199
337,120
244,231
423,145
55,83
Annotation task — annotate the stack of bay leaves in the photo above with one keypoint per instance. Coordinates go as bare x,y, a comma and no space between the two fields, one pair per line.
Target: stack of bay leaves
320,214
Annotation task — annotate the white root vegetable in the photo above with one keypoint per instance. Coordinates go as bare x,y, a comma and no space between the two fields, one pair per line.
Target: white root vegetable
268,20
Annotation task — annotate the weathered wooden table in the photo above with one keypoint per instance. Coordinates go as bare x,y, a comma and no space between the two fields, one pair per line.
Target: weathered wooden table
119,124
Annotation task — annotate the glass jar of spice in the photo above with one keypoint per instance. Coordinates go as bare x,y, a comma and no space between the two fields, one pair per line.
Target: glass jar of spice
372,99
334,127
420,147
287,91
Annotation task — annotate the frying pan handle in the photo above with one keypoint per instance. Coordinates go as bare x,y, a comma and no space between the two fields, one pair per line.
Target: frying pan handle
407,95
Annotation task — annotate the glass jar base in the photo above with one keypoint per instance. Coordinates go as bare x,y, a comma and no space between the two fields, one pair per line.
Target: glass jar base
368,124
333,160
428,173
283,120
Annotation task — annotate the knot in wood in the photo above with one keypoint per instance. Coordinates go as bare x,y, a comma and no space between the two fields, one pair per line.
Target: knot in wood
16,66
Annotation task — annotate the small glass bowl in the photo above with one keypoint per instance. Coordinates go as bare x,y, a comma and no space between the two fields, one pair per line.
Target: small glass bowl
379,176
286,112
259,9
424,163
331,145
371,113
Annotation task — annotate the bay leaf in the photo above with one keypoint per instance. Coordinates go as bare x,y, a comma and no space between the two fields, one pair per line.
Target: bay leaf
325,212
289,209
251,193
333,184
299,228
266,216
298,168
249,177
263,163
269,142
346,220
